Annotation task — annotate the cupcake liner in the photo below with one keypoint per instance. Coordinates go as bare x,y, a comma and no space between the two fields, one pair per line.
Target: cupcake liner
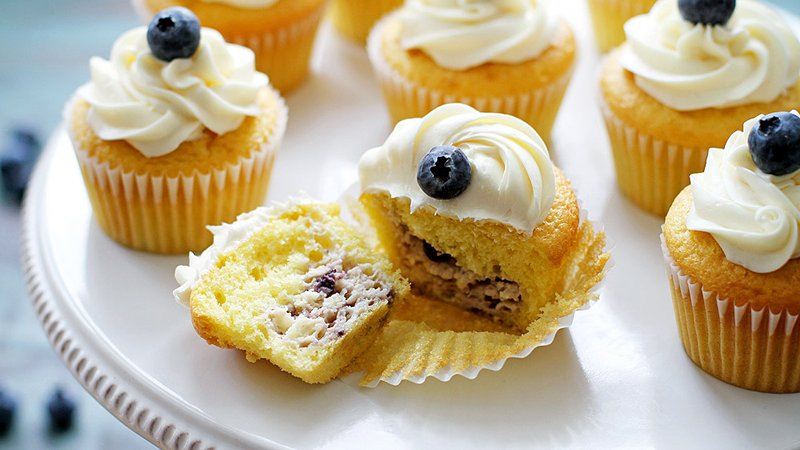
355,18
169,214
411,347
650,172
736,343
407,99
609,17
282,53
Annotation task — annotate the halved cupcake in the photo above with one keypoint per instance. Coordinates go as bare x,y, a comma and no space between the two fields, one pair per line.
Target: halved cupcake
176,131
293,284
514,57
471,209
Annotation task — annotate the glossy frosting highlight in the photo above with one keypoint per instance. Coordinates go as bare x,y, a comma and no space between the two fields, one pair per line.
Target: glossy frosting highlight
155,105
460,34
513,179
753,216
754,58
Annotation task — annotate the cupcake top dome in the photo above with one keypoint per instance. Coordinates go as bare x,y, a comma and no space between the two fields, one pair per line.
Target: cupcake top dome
167,83
696,54
461,34
466,164
748,197
247,4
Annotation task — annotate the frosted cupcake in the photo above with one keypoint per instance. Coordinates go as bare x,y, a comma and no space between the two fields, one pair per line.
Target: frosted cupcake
609,17
280,32
685,78
732,245
470,208
432,52
175,134
355,18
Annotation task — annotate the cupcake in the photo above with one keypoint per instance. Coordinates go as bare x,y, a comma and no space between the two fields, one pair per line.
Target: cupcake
609,17
432,52
293,284
280,32
355,18
176,131
731,244
684,79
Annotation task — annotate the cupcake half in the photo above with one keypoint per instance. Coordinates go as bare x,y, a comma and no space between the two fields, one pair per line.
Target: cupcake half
169,144
514,57
731,243
683,80
280,32
355,18
609,17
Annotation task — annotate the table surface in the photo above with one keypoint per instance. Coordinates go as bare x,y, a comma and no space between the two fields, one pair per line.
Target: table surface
44,49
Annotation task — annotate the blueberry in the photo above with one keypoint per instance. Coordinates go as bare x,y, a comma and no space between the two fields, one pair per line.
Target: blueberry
775,143
435,255
444,173
61,408
707,12
8,408
17,161
174,33
326,284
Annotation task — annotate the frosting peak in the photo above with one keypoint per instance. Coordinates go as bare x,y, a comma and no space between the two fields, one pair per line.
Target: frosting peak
513,179
155,105
460,34
754,58
753,216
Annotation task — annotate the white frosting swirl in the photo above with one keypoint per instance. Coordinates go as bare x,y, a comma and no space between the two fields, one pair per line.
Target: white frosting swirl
246,4
513,180
460,34
754,58
155,105
752,215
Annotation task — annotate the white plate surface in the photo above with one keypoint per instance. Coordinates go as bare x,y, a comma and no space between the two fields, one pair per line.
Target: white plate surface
618,377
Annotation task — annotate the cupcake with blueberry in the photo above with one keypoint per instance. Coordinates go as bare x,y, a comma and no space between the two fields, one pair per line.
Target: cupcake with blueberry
471,210
690,72
731,242
176,131
432,52
280,32
609,17
355,18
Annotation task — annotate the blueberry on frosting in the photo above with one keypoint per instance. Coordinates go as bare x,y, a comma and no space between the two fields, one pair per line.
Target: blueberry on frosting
444,173
707,12
174,33
775,143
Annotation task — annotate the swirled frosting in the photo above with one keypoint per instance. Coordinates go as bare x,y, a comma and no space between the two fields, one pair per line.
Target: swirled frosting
247,4
460,34
754,58
513,180
155,105
753,216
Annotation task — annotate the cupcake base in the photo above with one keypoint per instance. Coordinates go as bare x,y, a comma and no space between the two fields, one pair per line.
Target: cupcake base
738,344
355,18
609,17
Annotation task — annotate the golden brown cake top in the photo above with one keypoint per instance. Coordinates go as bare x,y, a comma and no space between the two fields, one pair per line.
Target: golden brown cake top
699,256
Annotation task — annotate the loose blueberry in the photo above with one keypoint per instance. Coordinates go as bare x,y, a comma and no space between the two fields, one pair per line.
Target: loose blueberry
707,12
775,143
61,408
174,33
444,173
435,255
8,408
17,161
326,284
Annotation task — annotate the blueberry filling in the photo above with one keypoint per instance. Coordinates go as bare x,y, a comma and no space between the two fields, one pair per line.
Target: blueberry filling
435,255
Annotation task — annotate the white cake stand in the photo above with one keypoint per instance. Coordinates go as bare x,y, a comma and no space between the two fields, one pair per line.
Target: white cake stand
617,378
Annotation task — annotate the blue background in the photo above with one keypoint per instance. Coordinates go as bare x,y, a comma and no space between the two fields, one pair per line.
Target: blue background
45,46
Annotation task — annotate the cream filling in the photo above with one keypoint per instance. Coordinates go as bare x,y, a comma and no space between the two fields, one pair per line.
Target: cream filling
438,275
336,297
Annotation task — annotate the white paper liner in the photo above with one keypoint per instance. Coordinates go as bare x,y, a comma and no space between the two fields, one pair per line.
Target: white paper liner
406,99
352,212
165,214
757,349
650,172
